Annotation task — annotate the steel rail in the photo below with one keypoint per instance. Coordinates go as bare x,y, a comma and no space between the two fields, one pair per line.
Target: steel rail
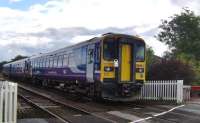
66,105
43,109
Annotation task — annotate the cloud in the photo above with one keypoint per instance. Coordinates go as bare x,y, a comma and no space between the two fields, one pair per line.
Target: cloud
52,39
57,23
13,1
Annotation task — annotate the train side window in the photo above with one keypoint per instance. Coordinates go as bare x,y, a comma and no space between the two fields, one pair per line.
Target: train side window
43,62
34,64
51,62
37,63
71,59
65,60
48,62
55,61
40,63
78,55
84,55
46,59
60,61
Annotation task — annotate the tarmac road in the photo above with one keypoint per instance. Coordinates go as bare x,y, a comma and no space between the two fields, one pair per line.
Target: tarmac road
187,113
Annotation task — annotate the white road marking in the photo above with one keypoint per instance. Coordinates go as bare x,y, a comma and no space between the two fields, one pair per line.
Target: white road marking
124,115
156,115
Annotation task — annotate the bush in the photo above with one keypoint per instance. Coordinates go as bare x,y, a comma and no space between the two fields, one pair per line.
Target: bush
172,70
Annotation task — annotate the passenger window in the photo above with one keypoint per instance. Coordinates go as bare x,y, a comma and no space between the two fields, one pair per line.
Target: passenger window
46,63
40,63
60,60
65,60
84,55
51,62
37,64
55,61
70,59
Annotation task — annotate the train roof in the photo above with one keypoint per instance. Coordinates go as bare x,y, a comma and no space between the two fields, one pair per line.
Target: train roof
95,39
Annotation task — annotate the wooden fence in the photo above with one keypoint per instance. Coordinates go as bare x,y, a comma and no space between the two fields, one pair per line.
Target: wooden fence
8,102
166,90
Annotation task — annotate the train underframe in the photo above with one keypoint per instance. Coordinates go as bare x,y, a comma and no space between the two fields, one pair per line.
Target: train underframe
97,90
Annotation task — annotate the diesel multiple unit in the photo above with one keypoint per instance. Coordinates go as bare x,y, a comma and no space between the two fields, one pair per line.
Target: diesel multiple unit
110,67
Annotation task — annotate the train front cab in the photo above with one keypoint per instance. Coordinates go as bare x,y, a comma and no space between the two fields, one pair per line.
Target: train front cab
122,67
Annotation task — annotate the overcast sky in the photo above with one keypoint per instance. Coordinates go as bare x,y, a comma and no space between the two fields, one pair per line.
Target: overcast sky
29,27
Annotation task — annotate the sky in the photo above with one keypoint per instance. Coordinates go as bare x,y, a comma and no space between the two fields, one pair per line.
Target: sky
30,27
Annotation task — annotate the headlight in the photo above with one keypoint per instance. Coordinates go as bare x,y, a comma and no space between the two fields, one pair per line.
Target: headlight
108,69
140,70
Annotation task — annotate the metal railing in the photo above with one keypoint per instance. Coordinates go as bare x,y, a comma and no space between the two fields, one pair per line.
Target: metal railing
165,90
8,102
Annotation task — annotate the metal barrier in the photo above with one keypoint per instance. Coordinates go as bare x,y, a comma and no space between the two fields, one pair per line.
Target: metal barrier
8,102
165,90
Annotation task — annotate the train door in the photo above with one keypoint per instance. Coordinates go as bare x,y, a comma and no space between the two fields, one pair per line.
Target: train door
90,63
28,69
126,56
10,70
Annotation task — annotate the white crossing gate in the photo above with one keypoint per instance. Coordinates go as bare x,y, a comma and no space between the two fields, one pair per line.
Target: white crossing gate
165,90
8,102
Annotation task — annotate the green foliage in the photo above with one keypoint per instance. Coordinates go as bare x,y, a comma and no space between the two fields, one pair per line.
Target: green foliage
182,33
18,57
150,57
1,65
190,59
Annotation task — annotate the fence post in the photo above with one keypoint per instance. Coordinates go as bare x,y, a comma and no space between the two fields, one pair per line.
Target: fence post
179,98
1,103
15,104
8,102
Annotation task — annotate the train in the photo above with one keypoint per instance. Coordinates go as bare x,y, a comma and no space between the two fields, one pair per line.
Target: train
111,67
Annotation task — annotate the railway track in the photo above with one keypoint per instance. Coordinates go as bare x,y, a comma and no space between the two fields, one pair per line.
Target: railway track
96,112
66,113
107,112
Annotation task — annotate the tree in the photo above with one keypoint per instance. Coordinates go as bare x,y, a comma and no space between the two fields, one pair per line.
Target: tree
1,65
149,56
171,70
149,59
18,57
182,33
